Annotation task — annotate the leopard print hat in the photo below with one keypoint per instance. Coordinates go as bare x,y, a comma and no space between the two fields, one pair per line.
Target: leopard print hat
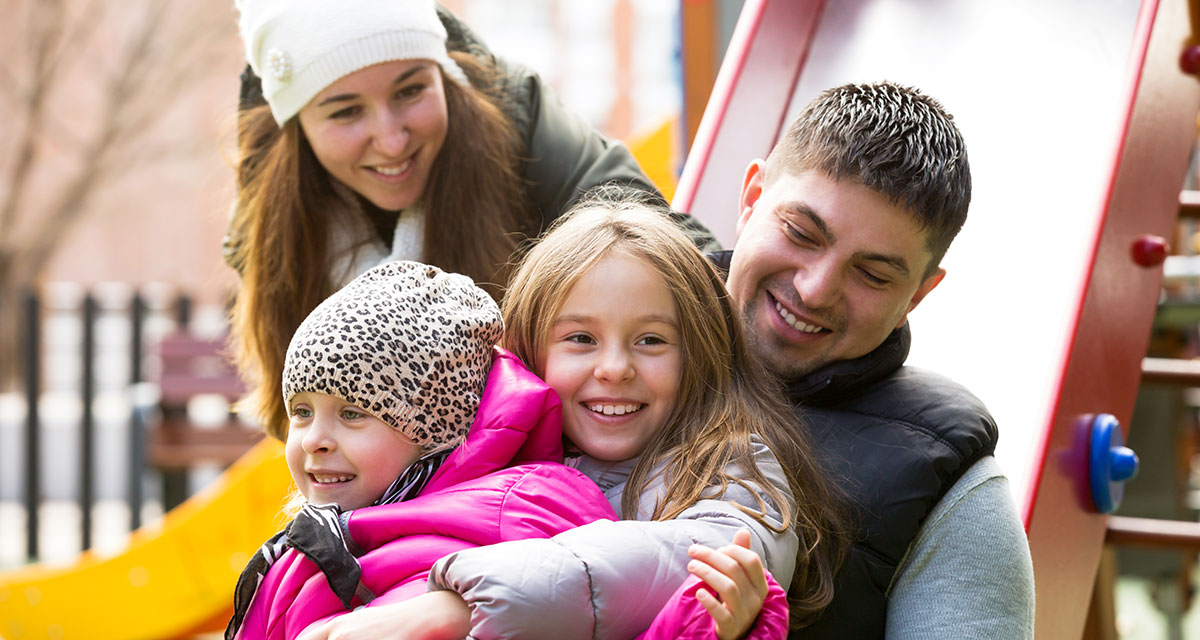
405,341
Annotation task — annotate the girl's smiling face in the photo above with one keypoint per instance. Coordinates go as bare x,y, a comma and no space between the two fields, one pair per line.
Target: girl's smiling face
378,130
339,453
614,356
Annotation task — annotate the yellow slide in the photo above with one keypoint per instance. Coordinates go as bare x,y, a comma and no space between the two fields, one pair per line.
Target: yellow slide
176,578
658,152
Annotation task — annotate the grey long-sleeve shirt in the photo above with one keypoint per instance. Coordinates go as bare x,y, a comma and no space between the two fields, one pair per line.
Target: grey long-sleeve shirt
968,574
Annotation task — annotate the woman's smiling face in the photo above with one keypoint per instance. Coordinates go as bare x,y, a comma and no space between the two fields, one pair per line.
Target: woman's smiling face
379,130
614,357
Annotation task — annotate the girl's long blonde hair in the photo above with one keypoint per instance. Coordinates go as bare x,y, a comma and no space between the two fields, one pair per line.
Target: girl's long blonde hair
724,398
475,208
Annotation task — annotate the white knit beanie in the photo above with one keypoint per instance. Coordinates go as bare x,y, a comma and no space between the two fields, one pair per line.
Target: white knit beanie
405,342
299,47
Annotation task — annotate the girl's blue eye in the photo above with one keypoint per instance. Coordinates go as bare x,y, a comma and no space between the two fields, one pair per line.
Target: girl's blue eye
351,414
303,412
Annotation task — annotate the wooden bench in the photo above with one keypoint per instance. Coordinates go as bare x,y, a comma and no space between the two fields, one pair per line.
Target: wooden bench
193,366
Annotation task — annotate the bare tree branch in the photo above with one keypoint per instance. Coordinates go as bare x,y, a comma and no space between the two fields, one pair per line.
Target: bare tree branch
83,28
70,207
143,57
133,157
8,82
43,42
194,54
159,61
77,39
60,131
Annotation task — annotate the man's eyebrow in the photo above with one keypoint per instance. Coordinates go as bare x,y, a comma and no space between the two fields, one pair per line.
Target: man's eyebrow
896,262
343,97
802,209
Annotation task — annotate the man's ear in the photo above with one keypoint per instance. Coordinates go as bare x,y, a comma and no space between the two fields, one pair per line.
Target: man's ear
927,285
752,188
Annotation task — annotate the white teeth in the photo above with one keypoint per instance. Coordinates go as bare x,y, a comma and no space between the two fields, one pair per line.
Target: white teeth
793,322
331,479
393,171
615,409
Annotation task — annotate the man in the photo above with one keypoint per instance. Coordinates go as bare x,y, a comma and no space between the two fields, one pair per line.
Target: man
840,235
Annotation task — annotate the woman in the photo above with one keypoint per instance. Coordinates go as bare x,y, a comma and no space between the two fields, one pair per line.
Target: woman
376,142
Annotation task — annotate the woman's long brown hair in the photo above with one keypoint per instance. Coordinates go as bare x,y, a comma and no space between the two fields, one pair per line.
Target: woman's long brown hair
725,395
287,204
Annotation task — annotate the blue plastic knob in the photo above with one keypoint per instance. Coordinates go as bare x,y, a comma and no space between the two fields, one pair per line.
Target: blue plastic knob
1123,464
1110,463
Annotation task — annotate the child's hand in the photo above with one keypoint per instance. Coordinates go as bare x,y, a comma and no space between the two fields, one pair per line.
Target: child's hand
736,574
437,615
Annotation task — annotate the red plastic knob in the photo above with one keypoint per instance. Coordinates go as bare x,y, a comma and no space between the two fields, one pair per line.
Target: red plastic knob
1189,60
1150,251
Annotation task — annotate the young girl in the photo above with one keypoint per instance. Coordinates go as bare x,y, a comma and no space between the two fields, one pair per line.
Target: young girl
381,382
662,408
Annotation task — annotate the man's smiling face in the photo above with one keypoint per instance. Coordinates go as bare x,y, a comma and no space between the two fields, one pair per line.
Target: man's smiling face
823,269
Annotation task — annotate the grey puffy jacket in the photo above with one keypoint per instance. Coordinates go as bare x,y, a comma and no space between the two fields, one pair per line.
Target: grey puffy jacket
607,580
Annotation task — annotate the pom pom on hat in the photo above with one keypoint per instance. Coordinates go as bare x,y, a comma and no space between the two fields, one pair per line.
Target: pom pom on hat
406,342
299,47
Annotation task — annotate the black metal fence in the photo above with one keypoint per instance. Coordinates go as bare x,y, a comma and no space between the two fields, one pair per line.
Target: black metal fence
175,311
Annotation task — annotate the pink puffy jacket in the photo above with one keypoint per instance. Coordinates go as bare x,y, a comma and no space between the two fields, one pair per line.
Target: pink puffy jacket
477,497
684,618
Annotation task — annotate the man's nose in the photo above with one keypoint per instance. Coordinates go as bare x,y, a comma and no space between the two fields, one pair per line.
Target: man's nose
819,284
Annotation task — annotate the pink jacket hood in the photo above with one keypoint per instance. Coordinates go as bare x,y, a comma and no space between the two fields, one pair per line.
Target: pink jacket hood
519,420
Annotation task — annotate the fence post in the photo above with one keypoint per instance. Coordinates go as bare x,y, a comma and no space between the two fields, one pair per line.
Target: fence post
137,427
87,422
175,482
183,313
32,444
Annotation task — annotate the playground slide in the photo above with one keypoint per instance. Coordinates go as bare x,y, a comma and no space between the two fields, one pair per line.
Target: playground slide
174,580
658,150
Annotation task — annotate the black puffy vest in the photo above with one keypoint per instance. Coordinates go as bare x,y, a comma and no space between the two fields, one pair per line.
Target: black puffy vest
895,439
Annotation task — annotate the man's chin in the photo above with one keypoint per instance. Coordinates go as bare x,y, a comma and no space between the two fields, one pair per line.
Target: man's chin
782,359
791,369
787,361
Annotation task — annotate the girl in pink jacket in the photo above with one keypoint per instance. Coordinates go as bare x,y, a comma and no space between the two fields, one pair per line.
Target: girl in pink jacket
381,383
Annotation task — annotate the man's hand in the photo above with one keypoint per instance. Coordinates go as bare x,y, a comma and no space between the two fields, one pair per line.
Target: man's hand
736,575
437,615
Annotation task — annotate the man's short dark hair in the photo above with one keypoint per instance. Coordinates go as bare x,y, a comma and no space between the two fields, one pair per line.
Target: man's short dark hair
894,140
